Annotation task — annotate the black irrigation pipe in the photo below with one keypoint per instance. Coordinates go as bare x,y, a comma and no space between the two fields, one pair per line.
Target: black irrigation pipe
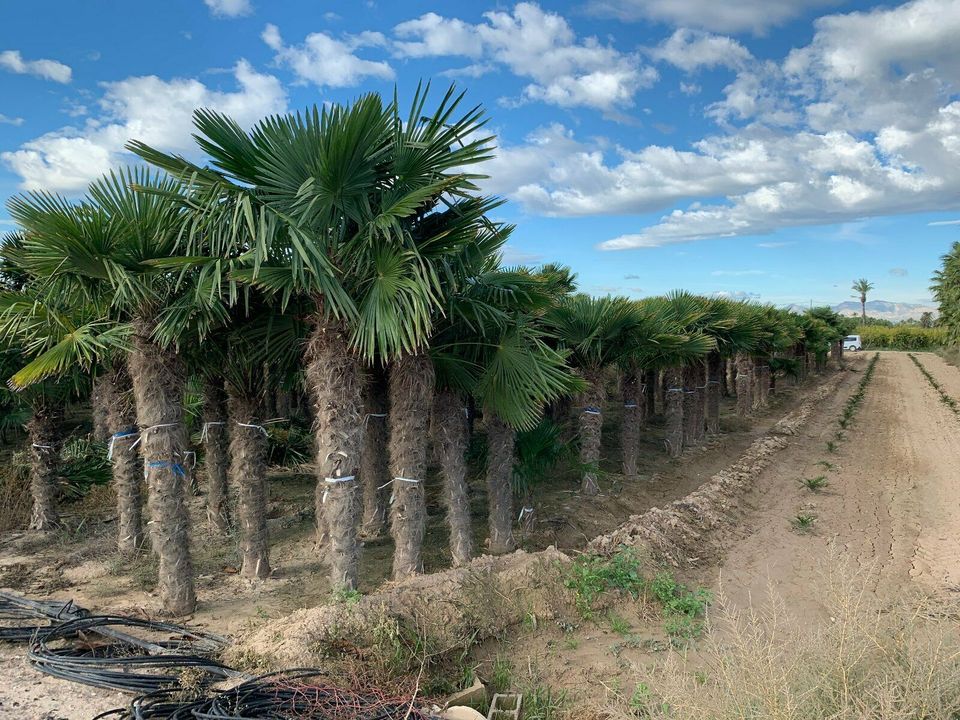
126,662
944,397
287,695
14,610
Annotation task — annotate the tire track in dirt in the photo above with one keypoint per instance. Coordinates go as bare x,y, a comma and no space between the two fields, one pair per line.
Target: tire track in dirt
891,510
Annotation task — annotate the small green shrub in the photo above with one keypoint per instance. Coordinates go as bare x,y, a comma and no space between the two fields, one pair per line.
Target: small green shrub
816,484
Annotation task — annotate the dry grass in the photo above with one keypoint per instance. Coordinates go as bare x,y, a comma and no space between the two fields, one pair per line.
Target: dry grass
867,661
15,499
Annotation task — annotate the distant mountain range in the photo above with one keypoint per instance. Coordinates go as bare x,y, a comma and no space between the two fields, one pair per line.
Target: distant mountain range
879,309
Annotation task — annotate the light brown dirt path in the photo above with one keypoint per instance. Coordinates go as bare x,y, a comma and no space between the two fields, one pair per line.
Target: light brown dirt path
891,510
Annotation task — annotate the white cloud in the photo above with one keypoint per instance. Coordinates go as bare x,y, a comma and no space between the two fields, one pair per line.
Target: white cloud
532,43
771,245
690,50
7,120
899,272
13,61
229,8
742,15
328,62
838,131
158,112
938,223
515,256
689,88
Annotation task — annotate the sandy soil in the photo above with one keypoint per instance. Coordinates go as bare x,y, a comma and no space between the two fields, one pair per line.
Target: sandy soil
891,510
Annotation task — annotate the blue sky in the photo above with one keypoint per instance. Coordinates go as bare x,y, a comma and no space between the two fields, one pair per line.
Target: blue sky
774,149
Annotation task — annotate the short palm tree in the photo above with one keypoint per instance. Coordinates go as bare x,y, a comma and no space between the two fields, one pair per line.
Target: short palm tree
862,287
598,333
109,246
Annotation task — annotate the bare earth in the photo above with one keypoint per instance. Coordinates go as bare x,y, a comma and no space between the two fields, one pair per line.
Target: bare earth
891,509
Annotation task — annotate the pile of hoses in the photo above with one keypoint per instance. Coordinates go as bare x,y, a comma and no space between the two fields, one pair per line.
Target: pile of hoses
171,669
18,622
293,694
99,650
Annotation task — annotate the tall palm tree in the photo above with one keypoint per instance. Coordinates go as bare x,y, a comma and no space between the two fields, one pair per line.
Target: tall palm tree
862,287
112,245
349,208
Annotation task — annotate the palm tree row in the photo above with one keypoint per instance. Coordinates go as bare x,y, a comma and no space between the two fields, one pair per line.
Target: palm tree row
348,250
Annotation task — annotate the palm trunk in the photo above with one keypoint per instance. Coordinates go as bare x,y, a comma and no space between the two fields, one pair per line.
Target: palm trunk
649,393
630,424
661,395
590,428
158,385
335,379
215,454
100,398
690,397
501,439
411,399
764,383
450,431
701,430
714,379
743,383
44,429
248,463
127,468
374,460
673,410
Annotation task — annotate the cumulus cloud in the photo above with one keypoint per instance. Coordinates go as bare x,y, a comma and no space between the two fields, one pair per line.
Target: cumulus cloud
754,16
690,50
229,8
158,112
863,121
13,61
7,120
532,43
328,62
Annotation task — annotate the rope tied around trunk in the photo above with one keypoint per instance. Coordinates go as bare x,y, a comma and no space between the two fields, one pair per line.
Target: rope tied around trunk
175,468
152,427
524,511
366,418
630,405
713,382
670,390
261,428
118,435
206,428
412,481
193,457
46,448
590,410
334,481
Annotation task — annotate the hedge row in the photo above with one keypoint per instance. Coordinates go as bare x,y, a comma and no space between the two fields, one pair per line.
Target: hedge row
901,337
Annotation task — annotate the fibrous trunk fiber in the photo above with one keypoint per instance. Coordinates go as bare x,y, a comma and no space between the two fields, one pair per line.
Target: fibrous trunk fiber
44,429
100,398
715,376
411,400
673,410
248,464
450,435
690,402
374,459
649,388
744,384
158,386
127,468
215,461
590,428
335,379
501,439
633,409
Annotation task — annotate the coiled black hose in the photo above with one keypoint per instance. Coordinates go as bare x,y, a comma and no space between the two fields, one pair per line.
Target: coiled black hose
108,657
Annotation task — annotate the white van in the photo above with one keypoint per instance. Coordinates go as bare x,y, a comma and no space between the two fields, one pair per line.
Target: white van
852,342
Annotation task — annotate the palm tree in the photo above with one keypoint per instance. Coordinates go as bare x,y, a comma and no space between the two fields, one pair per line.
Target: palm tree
862,287
112,245
598,333
349,208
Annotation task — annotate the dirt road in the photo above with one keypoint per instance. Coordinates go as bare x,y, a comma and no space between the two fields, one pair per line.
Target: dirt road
891,510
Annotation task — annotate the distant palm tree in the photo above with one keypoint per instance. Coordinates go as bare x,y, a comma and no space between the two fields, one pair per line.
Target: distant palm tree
863,286
926,320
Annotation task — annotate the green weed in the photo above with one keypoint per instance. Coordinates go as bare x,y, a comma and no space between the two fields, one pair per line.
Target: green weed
803,522
816,484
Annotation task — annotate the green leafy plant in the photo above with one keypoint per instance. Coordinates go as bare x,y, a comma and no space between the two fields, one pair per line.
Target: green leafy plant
803,522
816,484
591,576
